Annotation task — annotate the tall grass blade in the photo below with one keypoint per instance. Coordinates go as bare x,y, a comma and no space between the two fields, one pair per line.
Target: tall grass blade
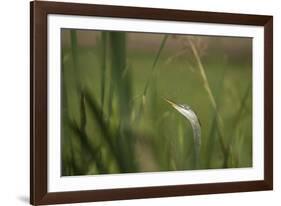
151,77
121,81
83,118
153,68
74,52
88,147
211,98
238,118
108,139
118,63
242,106
210,141
104,42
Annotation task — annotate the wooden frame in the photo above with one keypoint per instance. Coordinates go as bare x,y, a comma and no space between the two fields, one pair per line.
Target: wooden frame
38,98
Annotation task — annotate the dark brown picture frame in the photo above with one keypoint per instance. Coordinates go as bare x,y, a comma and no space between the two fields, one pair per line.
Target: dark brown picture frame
38,102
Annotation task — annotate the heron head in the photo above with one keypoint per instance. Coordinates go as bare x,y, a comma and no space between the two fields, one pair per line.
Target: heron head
182,108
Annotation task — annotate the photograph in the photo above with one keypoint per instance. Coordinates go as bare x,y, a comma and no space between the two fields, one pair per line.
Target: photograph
138,102
134,102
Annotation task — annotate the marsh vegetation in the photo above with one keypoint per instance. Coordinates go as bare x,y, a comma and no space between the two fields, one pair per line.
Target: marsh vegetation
114,119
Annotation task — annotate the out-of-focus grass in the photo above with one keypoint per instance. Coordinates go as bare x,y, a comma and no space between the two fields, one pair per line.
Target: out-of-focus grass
103,88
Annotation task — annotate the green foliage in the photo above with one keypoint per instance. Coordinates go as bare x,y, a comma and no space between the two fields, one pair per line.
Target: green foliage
114,119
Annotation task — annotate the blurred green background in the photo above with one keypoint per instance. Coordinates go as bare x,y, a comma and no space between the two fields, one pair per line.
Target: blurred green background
114,118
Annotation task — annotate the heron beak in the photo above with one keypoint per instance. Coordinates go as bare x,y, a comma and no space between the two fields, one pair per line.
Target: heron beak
171,102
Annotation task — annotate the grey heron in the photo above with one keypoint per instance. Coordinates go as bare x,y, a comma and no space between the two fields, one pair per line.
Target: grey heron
191,116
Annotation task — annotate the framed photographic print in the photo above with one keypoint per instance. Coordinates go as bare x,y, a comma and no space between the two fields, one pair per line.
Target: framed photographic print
133,102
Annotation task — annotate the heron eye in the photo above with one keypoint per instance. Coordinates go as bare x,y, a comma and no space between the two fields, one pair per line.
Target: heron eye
183,106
